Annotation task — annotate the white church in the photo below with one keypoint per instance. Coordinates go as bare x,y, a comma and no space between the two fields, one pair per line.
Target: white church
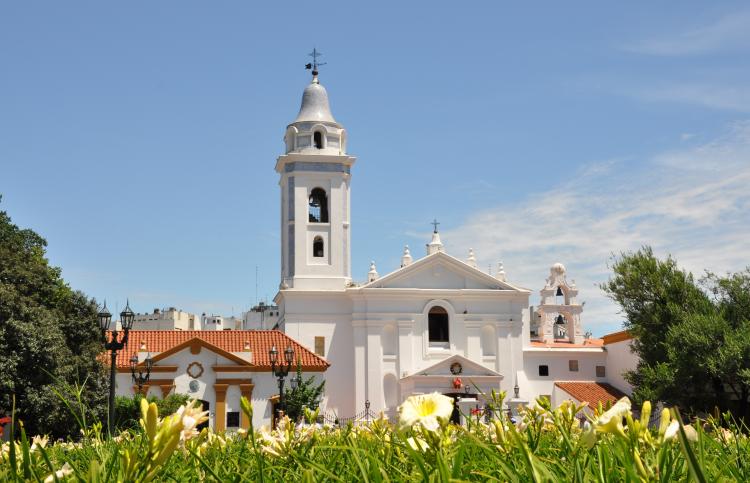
437,323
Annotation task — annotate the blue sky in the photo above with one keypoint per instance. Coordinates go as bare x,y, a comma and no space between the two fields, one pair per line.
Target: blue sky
140,138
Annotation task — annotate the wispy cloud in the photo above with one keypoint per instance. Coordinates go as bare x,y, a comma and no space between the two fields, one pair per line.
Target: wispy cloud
729,32
735,98
693,203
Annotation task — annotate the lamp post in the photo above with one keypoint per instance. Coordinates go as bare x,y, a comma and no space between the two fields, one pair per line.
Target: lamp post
140,379
280,369
114,343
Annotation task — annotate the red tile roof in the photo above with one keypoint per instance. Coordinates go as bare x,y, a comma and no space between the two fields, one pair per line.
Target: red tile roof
260,342
592,392
587,344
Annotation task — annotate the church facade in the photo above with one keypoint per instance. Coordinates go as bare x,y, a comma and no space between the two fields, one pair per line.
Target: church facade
437,323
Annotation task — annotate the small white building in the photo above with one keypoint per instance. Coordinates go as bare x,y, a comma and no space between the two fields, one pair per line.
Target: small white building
215,367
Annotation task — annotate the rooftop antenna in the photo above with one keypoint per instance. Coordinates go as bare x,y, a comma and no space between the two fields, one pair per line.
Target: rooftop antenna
314,64
256,284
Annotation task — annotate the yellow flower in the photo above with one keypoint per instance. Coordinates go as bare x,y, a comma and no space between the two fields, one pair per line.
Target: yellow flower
611,421
588,436
426,410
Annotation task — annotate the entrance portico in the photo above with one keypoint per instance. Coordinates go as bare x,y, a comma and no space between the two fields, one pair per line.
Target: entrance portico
454,376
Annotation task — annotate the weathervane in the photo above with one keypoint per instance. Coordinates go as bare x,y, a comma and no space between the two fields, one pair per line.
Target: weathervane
435,223
314,64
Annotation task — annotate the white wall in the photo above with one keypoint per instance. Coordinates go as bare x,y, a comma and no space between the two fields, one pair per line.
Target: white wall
532,385
620,359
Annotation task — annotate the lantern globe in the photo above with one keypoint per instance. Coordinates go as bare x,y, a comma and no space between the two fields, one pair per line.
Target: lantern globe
289,355
105,318
126,317
133,362
273,354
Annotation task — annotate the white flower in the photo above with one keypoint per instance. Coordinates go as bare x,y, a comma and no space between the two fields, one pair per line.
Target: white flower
38,442
63,472
425,409
674,427
191,416
417,444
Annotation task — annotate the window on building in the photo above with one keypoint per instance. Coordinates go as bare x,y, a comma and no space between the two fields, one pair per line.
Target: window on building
318,139
233,419
318,206
320,346
573,365
544,370
318,247
437,321
601,371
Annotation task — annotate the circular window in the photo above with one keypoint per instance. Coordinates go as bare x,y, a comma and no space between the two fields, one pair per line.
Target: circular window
195,370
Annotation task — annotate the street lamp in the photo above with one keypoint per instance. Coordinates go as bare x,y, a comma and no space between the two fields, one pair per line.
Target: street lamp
140,379
280,369
113,344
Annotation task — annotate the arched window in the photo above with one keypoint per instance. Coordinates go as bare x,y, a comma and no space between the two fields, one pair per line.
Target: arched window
318,247
318,139
318,206
437,321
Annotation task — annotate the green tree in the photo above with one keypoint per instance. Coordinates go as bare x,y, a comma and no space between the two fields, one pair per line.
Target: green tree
49,337
693,349
307,393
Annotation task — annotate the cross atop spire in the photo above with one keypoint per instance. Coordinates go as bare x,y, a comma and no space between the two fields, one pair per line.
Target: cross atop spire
435,224
314,64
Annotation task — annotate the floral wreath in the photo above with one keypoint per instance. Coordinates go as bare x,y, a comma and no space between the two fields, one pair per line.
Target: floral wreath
195,370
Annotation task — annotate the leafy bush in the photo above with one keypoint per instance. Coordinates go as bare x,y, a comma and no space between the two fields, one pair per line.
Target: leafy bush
306,394
128,409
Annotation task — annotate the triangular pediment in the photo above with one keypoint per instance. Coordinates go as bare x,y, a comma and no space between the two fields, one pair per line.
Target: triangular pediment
441,271
195,345
456,366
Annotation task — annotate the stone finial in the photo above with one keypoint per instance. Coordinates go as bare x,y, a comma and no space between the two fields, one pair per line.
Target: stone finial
372,275
246,348
143,346
472,260
406,257
500,275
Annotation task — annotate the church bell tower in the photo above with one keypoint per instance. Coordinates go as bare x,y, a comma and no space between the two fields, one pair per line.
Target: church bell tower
315,173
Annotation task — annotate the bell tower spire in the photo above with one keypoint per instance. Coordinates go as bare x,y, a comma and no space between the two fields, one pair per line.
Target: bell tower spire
315,173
